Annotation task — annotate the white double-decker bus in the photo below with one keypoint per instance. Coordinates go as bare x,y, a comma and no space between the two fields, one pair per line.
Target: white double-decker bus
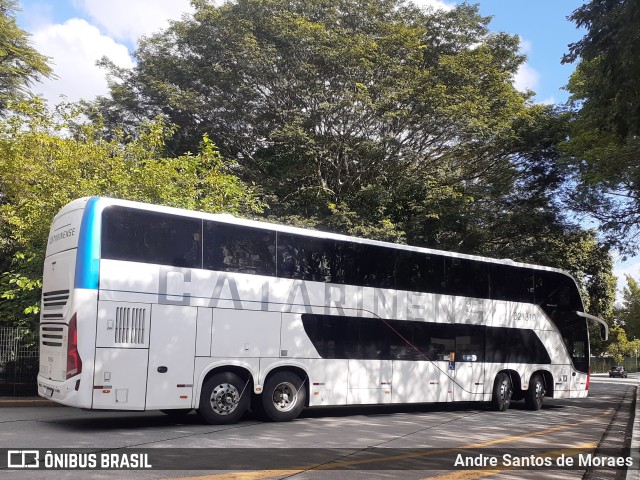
147,307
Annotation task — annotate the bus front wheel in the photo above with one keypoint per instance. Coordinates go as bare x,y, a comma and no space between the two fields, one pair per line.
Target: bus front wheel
284,397
534,395
223,399
502,392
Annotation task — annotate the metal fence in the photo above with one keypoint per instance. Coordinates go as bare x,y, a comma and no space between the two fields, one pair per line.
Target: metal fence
18,362
602,365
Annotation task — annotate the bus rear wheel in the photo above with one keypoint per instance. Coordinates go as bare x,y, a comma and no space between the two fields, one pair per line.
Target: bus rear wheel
502,392
284,397
534,395
223,399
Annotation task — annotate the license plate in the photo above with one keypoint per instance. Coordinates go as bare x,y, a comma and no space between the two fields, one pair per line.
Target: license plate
48,391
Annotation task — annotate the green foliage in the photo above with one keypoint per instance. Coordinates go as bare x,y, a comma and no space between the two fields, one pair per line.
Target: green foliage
618,345
629,312
331,103
604,141
609,70
20,64
48,159
20,293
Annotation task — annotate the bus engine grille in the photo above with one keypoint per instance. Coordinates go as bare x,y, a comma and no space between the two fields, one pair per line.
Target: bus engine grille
129,327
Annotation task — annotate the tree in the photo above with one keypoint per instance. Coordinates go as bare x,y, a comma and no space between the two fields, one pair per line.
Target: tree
629,312
20,64
618,344
48,159
605,135
377,119
327,104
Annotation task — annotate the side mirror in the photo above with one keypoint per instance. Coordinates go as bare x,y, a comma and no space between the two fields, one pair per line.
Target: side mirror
604,326
604,332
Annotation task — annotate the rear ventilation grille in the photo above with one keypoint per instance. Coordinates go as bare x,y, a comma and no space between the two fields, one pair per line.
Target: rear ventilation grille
52,336
129,327
55,300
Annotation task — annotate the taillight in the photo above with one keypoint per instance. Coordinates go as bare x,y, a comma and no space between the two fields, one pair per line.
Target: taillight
74,363
588,378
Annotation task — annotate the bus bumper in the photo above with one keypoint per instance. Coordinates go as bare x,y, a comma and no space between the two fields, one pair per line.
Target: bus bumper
67,392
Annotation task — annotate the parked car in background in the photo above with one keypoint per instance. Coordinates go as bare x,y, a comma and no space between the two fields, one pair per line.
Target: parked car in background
618,371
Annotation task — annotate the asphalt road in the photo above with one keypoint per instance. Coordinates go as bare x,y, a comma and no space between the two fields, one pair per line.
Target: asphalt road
443,441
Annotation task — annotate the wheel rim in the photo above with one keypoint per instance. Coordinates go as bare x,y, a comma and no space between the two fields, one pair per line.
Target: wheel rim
224,399
539,392
505,392
285,396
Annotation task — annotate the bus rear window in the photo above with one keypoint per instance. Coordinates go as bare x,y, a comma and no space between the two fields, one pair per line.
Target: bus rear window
151,237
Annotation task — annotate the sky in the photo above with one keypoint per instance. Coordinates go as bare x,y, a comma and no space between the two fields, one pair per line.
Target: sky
76,33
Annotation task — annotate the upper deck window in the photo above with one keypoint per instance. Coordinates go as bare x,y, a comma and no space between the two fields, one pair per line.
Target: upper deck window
239,249
151,237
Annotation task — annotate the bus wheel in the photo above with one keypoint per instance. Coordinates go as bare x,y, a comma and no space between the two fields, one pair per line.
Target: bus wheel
502,391
535,393
284,397
223,399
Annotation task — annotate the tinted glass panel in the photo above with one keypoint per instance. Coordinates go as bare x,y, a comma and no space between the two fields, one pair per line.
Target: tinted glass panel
307,258
370,265
575,335
233,248
345,337
419,272
468,278
375,339
513,345
553,290
325,260
151,237
420,341
470,343
514,284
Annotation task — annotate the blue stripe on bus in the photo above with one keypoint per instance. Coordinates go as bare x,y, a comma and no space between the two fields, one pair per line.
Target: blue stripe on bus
88,259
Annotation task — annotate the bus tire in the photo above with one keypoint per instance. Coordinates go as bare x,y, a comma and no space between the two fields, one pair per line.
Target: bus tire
502,392
223,399
534,395
284,397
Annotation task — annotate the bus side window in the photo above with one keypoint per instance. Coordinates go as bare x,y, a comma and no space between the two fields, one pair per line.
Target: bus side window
144,236
515,284
464,277
419,272
239,249
470,340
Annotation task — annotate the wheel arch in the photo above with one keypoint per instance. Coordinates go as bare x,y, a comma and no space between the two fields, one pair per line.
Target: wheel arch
298,370
514,376
243,371
547,379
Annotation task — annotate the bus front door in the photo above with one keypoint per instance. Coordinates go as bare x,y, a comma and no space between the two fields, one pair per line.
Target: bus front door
171,357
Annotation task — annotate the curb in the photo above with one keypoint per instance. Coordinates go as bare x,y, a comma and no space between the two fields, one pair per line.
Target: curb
634,472
28,402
